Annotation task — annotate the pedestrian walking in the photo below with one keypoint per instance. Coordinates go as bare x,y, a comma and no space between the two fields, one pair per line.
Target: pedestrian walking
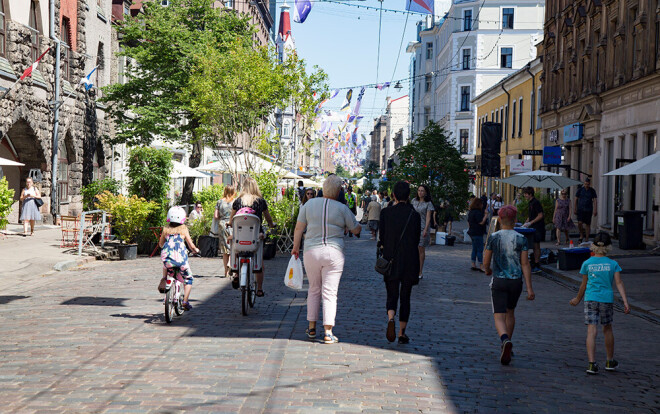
219,227
424,207
324,220
384,199
446,218
341,197
562,217
398,236
598,273
309,194
300,191
585,208
373,216
251,197
31,198
506,250
477,228
536,221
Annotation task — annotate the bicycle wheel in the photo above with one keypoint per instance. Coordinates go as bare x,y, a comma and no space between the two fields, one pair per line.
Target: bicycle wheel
169,305
178,308
245,290
252,292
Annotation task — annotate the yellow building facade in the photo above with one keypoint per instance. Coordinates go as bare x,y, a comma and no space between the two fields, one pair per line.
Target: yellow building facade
513,102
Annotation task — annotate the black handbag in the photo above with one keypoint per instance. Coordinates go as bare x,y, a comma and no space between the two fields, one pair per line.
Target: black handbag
384,266
39,202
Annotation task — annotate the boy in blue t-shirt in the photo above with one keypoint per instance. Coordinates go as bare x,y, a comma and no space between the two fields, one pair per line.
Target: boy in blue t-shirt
598,272
507,250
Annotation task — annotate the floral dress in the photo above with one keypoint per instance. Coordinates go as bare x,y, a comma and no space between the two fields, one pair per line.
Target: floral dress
562,220
224,213
175,255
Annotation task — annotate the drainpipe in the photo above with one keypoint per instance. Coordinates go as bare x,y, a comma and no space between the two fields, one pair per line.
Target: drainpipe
533,120
54,197
506,121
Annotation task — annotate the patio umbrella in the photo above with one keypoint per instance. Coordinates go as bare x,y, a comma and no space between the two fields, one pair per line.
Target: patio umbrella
183,171
242,163
540,179
647,165
306,183
10,163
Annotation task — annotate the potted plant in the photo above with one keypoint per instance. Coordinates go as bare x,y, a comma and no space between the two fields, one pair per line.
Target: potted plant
129,215
6,201
200,231
270,246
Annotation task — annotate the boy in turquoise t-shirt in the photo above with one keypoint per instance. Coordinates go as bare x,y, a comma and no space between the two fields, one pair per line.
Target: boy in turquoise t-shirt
598,273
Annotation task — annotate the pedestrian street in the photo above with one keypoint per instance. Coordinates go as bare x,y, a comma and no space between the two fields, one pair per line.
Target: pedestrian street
94,340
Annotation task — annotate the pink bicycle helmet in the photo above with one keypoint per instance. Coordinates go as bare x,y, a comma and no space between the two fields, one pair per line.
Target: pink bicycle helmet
246,210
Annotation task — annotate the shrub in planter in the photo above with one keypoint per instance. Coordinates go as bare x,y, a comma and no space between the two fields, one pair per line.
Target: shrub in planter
91,191
128,213
6,201
547,202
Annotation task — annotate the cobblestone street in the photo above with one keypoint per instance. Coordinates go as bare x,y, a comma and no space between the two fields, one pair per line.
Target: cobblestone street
95,340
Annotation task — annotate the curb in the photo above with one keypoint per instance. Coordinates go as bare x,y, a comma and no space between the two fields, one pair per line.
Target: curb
634,305
69,264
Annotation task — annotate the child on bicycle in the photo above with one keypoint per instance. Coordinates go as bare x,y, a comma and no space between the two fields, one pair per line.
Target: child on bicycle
174,253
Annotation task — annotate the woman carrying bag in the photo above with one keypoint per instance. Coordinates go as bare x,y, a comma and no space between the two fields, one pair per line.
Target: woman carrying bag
31,198
400,229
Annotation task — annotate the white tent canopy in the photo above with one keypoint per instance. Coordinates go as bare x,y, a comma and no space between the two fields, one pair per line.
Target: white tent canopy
183,171
10,163
245,162
540,179
647,165
306,183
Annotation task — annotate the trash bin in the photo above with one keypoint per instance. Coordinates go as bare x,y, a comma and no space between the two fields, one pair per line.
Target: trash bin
630,228
450,240
572,259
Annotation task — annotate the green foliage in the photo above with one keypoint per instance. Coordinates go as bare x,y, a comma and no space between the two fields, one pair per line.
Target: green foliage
370,172
202,226
164,45
210,194
433,159
340,171
128,214
267,182
547,202
149,172
6,201
284,209
93,189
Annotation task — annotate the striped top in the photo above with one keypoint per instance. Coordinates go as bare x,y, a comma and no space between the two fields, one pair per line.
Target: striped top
326,220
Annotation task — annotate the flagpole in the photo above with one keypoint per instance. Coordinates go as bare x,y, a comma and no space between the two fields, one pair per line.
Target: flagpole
10,88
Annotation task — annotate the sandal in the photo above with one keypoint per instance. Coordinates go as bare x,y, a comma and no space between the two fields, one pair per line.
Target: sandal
330,339
311,333
260,293
390,334
476,269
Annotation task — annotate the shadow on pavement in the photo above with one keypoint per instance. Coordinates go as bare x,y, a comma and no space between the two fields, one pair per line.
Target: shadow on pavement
7,299
95,301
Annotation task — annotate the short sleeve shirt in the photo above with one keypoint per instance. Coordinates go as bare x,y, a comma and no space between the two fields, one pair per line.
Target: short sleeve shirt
422,207
326,220
535,208
259,206
600,274
585,199
507,245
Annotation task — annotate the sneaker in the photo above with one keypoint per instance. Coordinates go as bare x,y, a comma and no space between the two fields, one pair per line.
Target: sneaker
536,269
505,357
187,306
235,283
403,339
611,365
592,368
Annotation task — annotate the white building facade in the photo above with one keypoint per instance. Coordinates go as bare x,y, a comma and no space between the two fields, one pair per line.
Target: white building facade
472,48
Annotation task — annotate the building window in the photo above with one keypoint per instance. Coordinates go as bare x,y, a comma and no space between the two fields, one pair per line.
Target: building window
95,167
465,98
505,121
286,129
427,85
531,113
520,117
427,115
513,121
497,116
66,48
63,173
34,32
3,30
597,65
466,59
465,140
538,108
100,70
506,57
429,50
507,18
467,20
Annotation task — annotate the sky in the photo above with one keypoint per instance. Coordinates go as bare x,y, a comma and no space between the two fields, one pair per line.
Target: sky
343,41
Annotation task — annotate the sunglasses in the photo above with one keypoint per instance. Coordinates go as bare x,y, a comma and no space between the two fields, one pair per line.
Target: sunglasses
310,193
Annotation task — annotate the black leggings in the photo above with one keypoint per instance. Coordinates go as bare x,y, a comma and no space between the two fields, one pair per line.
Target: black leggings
399,289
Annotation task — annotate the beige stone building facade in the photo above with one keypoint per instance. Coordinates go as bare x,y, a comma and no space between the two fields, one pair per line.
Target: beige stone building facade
600,99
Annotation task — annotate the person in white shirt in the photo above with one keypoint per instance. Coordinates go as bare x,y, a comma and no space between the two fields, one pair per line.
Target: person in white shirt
196,214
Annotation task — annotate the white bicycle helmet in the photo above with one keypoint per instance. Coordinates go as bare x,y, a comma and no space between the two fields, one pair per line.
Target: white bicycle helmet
176,215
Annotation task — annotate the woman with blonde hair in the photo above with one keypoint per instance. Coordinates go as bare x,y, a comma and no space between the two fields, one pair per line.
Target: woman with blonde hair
219,227
251,197
30,213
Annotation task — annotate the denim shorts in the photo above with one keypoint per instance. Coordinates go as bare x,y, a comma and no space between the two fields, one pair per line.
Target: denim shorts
595,311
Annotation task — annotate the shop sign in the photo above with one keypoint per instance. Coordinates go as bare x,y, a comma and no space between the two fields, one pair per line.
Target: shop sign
520,166
532,152
573,132
552,155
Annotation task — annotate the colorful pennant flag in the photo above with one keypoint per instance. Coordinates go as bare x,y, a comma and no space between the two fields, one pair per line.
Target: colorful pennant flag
420,6
34,65
301,10
382,86
347,100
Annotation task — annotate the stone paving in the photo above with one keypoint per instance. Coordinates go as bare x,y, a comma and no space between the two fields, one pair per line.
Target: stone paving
95,341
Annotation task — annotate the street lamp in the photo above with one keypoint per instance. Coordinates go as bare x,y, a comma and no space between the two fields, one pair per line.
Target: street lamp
398,85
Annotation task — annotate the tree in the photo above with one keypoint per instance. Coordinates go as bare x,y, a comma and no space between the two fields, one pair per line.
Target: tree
433,159
370,173
164,44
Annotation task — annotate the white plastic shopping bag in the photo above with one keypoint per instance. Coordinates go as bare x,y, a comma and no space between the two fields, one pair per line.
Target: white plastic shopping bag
293,278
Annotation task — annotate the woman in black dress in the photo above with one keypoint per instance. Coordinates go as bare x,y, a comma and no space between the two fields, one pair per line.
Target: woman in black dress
404,273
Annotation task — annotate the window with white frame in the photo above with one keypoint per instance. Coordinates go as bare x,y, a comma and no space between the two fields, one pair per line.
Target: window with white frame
506,57
507,18
467,55
427,116
464,140
286,129
467,20
465,98
63,172
513,120
34,32
520,117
